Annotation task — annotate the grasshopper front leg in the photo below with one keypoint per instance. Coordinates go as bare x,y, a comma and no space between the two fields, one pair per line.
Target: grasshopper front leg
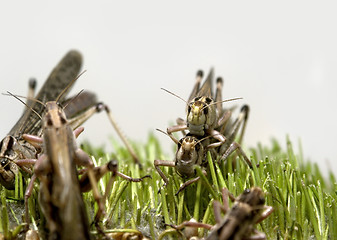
164,163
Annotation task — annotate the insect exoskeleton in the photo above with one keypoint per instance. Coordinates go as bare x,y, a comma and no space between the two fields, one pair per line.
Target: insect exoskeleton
201,115
13,147
239,220
190,152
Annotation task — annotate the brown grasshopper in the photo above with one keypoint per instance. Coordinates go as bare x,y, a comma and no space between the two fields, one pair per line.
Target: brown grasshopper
13,146
248,209
191,151
60,196
192,148
203,115
57,172
206,117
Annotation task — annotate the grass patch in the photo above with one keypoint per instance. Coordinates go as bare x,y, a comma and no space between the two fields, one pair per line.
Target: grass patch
304,201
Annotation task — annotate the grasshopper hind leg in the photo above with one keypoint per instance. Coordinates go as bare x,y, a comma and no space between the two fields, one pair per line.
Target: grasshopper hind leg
231,145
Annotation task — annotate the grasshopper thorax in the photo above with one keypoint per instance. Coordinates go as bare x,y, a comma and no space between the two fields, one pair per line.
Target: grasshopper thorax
190,152
201,115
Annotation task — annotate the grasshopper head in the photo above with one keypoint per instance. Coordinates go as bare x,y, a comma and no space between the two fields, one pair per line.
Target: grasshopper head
253,196
55,116
201,114
190,152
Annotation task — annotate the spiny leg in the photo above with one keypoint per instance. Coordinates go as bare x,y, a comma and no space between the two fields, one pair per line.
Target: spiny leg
189,182
77,121
122,136
230,146
241,120
186,184
233,147
224,119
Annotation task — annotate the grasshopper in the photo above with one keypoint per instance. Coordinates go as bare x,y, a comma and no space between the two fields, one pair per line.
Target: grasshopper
192,148
13,146
60,196
203,113
60,189
78,110
248,209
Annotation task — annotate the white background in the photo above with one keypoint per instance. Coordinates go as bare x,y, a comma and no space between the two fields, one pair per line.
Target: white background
280,57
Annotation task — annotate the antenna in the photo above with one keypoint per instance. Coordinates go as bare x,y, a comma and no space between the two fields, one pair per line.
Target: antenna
32,99
73,99
67,87
174,95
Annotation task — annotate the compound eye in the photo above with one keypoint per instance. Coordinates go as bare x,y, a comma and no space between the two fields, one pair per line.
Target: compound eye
63,120
179,143
208,100
197,147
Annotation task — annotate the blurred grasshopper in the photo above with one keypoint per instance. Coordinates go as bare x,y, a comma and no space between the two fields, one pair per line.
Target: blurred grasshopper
13,146
60,196
248,209
60,189
99,172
